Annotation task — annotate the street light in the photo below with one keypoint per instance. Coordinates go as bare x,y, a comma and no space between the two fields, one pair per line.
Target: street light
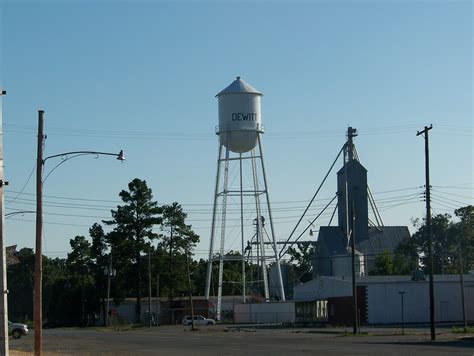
38,315
402,292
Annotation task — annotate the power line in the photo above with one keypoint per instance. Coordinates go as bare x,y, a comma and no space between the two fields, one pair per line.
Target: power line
453,195
448,200
460,186
52,223
170,135
107,207
26,183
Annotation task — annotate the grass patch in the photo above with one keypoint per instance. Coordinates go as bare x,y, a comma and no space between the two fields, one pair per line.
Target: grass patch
461,330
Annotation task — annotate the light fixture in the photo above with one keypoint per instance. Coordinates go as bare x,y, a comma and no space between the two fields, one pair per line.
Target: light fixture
120,156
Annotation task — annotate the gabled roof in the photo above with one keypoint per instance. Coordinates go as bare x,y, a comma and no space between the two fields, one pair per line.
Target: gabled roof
351,165
333,239
385,240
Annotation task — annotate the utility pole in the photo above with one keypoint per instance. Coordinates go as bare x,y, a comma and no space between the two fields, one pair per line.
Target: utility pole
463,302
171,281
3,260
38,295
354,286
157,298
190,292
149,287
350,233
428,228
109,276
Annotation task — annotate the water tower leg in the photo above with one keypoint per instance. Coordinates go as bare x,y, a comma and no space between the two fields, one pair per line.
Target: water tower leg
242,228
275,248
223,223
260,224
213,229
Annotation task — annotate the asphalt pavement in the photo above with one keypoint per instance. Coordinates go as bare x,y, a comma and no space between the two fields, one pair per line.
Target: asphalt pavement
238,340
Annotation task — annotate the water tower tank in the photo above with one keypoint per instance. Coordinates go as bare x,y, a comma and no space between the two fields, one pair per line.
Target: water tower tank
240,119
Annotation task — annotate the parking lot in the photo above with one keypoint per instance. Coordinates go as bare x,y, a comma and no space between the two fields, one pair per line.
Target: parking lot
222,340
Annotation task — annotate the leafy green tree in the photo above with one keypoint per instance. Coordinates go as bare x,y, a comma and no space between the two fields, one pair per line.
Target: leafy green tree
100,258
133,226
406,258
383,265
20,285
387,264
463,232
177,238
447,236
302,259
403,265
443,242
56,294
80,265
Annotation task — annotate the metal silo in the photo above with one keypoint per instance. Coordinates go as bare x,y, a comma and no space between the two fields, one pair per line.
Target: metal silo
240,173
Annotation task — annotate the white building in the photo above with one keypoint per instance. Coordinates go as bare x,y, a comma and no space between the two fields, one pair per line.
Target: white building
383,300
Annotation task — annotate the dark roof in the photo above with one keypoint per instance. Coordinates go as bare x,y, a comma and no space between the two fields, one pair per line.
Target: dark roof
351,165
333,239
385,240
379,241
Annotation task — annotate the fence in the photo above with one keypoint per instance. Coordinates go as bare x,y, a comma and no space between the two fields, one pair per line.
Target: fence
264,317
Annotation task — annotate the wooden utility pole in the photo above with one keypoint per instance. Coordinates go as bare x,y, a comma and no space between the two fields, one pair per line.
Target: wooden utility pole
157,298
109,276
463,302
190,292
38,302
149,287
3,260
354,286
428,228
171,281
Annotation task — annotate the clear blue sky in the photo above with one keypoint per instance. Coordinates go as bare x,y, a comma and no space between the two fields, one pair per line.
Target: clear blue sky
142,75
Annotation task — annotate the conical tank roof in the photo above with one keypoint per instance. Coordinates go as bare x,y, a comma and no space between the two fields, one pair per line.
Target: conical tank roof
238,86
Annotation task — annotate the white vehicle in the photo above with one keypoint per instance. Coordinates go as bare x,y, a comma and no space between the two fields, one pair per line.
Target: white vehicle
198,320
17,330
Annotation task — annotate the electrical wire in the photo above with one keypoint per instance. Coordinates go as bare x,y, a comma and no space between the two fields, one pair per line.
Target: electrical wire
451,194
24,186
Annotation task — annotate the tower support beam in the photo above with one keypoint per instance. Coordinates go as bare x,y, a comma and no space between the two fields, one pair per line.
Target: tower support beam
252,208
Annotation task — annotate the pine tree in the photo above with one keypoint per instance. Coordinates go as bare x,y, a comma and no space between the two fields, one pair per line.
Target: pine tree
134,222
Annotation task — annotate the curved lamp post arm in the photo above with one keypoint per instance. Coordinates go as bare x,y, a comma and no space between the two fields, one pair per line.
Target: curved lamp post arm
120,156
73,154
19,213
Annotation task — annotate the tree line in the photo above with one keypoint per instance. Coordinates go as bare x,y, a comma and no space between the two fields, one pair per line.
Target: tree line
453,244
144,237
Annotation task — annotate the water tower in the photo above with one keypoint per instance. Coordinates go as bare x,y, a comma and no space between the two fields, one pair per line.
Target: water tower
242,211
